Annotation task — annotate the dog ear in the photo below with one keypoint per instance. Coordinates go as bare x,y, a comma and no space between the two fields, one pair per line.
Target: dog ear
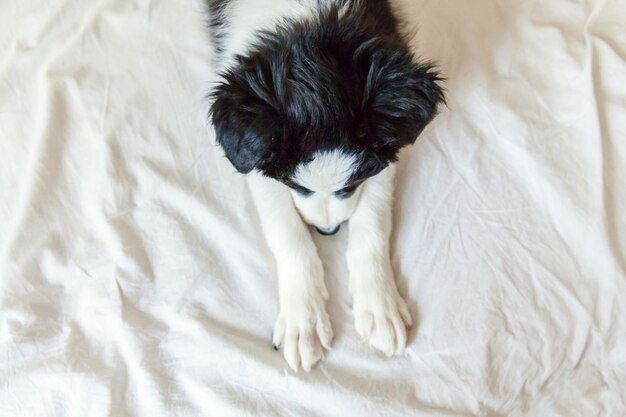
400,95
244,118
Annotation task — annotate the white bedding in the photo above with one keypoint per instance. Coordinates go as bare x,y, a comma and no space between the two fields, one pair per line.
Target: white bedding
134,279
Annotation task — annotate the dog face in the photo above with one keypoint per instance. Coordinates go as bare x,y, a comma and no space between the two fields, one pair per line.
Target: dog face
325,191
321,106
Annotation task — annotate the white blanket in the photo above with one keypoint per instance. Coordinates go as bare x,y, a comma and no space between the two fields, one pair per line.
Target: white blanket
135,281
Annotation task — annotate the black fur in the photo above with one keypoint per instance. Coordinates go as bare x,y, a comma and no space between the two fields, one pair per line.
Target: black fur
321,84
217,23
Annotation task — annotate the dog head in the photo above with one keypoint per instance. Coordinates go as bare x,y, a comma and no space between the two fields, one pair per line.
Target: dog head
322,106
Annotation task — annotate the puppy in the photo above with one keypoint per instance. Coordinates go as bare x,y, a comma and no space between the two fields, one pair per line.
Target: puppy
315,100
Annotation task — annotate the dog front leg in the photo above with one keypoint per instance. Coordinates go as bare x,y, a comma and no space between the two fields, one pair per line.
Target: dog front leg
381,314
303,327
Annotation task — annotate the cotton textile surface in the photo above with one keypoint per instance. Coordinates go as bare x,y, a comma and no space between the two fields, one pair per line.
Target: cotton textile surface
135,280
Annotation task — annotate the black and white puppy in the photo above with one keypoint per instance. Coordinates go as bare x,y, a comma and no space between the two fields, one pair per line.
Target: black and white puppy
315,100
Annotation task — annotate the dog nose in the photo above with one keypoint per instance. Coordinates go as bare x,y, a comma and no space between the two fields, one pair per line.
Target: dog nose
328,232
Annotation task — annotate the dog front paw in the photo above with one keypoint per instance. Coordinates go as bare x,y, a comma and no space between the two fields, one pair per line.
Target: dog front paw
303,329
381,318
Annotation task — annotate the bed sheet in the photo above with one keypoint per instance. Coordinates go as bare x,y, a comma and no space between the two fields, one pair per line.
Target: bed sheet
135,281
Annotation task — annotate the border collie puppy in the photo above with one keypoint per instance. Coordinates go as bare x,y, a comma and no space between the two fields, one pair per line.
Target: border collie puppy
315,100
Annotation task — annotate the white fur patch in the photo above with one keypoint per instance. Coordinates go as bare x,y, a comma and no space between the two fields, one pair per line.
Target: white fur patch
247,17
328,171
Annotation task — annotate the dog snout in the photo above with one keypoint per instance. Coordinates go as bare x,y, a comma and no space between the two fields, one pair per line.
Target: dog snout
328,231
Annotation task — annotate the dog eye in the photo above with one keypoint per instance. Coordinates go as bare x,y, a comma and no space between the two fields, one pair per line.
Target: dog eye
304,192
346,191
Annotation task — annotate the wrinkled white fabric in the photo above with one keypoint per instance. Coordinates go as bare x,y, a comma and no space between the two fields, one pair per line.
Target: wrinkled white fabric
134,279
